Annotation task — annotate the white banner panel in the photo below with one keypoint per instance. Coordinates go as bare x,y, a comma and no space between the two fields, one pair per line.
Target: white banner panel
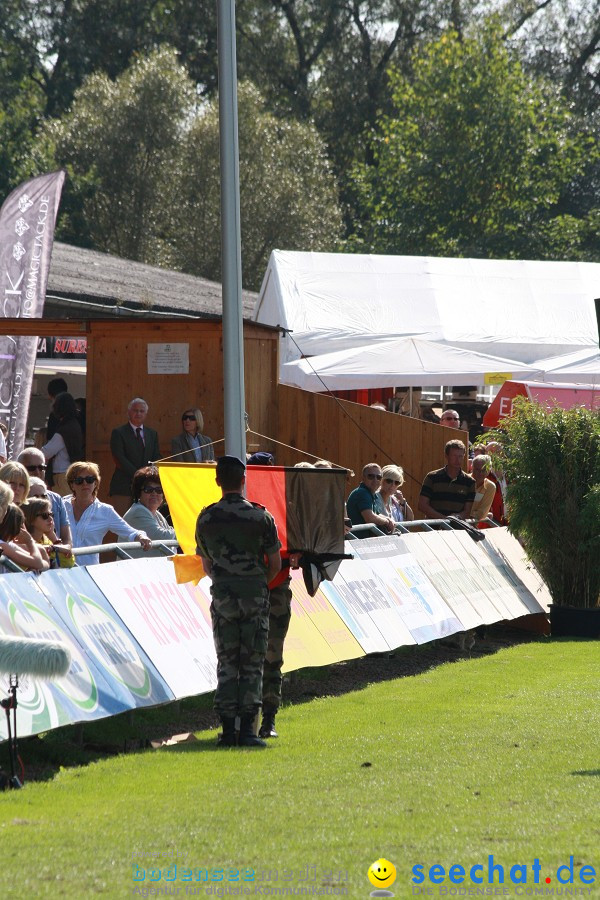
171,621
504,549
434,557
503,588
365,611
465,557
421,608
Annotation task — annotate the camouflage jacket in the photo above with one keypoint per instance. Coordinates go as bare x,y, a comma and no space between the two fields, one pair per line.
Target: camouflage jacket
236,536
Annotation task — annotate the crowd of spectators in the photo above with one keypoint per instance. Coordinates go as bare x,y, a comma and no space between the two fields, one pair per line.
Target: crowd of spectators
49,494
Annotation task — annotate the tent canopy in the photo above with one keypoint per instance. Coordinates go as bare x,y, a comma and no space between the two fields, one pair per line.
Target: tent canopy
581,366
510,308
404,361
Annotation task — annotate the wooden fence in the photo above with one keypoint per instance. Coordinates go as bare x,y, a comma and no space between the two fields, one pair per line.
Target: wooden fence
351,435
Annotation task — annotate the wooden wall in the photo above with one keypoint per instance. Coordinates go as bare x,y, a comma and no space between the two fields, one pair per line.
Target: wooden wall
347,433
117,372
352,435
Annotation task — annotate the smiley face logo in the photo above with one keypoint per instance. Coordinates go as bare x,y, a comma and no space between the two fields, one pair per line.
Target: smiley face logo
382,873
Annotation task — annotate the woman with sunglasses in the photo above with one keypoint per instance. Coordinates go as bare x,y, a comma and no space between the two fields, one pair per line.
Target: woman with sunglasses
392,497
191,445
39,522
18,545
90,520
147,496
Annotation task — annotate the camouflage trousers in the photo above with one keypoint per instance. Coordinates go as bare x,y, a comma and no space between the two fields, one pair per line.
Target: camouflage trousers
280,612
240,629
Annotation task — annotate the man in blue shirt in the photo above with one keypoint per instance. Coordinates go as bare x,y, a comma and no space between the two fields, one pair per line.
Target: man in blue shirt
364,505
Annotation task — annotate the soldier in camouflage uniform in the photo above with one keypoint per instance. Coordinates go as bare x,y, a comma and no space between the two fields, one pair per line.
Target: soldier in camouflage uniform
238,543
280,598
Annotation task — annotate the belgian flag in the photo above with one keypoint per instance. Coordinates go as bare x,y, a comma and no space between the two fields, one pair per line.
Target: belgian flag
307,505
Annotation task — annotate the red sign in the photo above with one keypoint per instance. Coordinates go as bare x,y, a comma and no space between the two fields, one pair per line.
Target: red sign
564,395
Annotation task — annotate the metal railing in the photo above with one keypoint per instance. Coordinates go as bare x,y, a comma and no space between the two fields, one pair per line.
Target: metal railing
359,532
121,548
168,548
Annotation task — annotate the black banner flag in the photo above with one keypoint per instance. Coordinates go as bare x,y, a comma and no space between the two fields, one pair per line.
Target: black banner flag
27,220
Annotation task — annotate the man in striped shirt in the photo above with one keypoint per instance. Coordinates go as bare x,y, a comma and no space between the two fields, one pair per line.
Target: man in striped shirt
448,491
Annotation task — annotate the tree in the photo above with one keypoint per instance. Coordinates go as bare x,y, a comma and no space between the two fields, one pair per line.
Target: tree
120,143
144,169
288,194
474,159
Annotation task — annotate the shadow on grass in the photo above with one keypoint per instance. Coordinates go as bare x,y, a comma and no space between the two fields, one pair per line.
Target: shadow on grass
588,772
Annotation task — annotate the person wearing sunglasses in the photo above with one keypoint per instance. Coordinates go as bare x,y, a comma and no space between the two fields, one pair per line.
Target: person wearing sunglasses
450,418
39,522
144,514
35,463
91,520
392,497
18,545
191,445
364,505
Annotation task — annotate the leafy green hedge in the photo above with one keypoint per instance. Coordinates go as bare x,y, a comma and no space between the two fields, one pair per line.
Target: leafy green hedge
551,459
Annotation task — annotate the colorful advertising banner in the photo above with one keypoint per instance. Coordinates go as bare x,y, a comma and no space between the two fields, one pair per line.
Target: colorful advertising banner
138,638
27,220
419,605
109,673
171,621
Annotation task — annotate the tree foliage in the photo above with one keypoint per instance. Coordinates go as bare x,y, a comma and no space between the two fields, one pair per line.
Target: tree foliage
551,460
474,159
144,164
288,196
120,145
348,67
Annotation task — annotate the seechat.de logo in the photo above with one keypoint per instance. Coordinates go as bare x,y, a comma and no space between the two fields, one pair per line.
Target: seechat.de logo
494,873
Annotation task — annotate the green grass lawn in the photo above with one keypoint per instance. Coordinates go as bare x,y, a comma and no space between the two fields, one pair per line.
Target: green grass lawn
497,755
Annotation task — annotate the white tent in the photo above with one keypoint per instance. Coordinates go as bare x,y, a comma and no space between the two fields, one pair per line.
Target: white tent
514,309
582,367
405,361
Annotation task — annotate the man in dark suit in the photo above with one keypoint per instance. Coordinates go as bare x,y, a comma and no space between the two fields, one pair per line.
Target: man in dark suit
132,445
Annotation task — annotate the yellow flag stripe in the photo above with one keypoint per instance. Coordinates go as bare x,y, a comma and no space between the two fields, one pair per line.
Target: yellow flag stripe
188,487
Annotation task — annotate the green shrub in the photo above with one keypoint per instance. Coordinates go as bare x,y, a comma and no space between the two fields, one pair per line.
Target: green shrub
551,459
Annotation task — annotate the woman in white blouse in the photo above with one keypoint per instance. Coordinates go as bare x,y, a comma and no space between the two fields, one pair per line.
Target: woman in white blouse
90,519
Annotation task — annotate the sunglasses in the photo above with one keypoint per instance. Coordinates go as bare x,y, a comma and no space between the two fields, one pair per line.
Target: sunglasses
152,489
450,419
88,479
372,475
188,418
391,481
38,468
45,516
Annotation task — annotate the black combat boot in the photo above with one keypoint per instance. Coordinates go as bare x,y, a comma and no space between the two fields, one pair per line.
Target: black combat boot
247,737
228,738
267,728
